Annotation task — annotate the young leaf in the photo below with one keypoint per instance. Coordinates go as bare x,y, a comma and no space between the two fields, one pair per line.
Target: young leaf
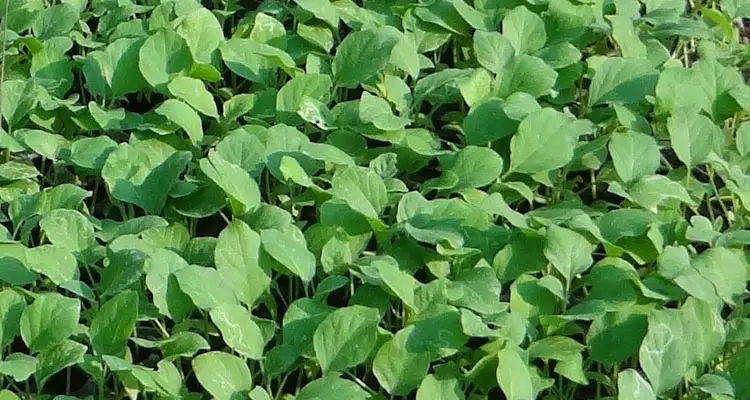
193,92
202,33
161,281
398,370
622,81
237,260
223,375
361,55
634,154
527,74
114,323
524,29
289,247
12,305
333,388
185,117
238,330
59,357
204,287
692,135
19,98
236,182
54,262
493,50
346,337
163,56
49,320
473,166
54,21
150,187
513,374
18,366
542,142
568,251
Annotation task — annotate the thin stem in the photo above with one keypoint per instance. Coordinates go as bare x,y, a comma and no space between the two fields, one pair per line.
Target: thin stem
2,58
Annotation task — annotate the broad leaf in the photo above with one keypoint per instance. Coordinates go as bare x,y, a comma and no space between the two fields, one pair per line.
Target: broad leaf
346,337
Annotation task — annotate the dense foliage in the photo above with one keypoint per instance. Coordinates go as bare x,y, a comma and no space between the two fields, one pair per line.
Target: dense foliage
341,200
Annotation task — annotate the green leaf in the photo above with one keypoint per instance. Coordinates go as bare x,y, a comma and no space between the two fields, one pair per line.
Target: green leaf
68,229
559,56
693,136
18,366
268,30
19,99
493,50
543,142
193,92
162,57
54,21
616,336
243,149
626,37
398,370
184,116
183,344
568,251
440,387
204,287
346,337
527,74
12,305
743,138
445,15
132,176
361,55
362,189
631,386
317,34
524,29
650,191
13,170
436,329
513,374
202,33
165,290
236,182
377,111
125,267
49,320
117,66
57,358
739,366
555,348
293,94
8,395
288,246
473,166
634,154
253,60
622,81
238,330
13,267
54,262
725,269
333,388
321,9
237,260
223,375
114,323
665,352
46,144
